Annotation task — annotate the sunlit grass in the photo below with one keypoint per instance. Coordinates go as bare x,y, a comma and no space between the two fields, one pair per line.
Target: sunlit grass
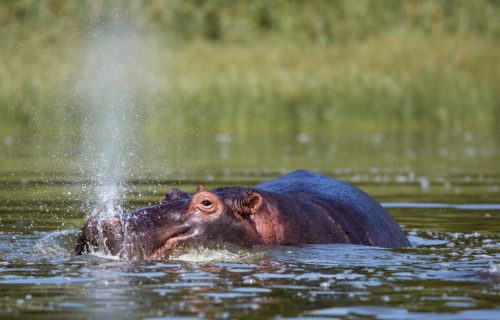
397,65
393,81
396,80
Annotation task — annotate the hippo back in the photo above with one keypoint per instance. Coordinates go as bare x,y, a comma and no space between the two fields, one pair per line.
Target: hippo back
362,218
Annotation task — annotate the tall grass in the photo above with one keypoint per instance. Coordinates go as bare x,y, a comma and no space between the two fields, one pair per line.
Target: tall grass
249,66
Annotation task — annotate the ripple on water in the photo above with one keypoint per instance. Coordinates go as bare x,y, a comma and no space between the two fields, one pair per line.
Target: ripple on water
46,280
449,272
403,314
202,254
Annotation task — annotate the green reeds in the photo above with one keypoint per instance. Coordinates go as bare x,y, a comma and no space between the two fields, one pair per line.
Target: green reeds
242,67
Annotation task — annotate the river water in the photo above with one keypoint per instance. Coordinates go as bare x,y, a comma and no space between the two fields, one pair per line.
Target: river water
450,209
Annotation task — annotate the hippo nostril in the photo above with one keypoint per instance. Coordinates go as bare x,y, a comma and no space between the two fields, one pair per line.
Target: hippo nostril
88,237
100,235
112,235
111,226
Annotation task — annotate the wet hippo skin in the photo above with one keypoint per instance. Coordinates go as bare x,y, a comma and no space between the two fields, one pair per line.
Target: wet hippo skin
298,208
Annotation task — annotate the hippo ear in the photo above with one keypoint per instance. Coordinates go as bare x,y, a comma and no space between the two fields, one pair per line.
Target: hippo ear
252,203
200,188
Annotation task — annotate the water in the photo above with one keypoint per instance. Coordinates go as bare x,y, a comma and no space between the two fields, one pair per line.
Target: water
115,66
452,272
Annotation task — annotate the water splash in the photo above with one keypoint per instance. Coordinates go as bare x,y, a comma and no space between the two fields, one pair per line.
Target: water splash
114,68
221,254
57,243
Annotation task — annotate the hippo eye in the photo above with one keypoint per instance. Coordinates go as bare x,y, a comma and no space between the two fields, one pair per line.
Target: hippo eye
206,203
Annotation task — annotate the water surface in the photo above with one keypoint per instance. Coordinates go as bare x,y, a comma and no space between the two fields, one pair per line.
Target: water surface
452,272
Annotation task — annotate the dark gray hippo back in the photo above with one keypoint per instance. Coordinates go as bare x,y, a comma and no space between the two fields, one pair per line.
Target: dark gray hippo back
361,217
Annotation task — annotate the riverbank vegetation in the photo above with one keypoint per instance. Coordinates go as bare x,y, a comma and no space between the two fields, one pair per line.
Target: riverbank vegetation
241,67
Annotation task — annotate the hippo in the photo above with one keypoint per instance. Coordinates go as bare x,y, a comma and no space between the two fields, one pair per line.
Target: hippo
301,207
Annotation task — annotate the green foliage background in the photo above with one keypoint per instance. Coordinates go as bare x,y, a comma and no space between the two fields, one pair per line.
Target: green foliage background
246,66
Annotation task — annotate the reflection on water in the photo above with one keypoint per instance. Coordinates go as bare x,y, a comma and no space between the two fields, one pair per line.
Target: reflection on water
427,159
452,271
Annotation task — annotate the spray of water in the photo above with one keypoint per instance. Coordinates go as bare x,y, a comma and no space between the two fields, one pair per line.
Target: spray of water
113,69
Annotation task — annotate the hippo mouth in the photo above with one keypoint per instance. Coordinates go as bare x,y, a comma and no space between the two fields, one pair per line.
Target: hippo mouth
172,240
116,238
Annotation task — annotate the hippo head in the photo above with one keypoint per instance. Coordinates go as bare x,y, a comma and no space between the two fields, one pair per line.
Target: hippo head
223,215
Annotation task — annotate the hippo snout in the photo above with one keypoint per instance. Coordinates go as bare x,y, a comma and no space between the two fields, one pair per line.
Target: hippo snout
105,235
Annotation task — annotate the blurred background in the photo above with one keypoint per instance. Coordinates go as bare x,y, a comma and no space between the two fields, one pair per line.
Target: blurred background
175,89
